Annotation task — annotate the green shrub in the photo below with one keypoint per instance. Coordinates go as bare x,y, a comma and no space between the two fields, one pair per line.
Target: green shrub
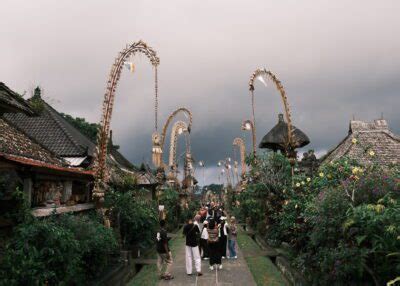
170,199
190,211
135,217
376,228
96,242
64,250
42,252
341,223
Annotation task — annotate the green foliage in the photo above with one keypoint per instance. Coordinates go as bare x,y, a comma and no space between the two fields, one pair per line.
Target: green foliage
136,218
170,199
89,129
341,223
215,188
37,104
264,196
376,228
128,184
190,211
58,251
14,206
95,242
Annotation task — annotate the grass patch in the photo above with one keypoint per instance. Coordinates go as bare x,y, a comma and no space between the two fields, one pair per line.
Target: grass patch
261,267
148,274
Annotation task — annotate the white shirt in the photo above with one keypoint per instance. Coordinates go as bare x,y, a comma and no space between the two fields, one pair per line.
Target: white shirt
225,229
204,233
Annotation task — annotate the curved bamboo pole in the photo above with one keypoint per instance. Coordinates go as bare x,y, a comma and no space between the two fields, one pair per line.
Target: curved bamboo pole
159,140
171,116
240,143
280,88
101,176
245,125
178,128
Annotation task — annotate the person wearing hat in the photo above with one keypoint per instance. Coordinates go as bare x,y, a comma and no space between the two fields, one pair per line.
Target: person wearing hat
203,241
223,236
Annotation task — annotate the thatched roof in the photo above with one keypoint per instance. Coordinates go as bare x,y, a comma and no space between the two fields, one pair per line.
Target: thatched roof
276,139
367,143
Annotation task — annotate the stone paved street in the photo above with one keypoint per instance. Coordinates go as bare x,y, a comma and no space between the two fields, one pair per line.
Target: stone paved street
234,272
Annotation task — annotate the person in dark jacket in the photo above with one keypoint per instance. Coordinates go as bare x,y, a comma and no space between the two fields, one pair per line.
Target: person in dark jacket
223,237
164,253
192,233
213,245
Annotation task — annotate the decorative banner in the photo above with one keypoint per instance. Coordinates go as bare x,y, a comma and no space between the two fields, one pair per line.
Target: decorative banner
130,66
262,78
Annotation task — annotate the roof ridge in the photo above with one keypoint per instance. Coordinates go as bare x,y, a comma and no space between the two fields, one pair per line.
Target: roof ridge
66,122
57,121
392,135
331,151
16,96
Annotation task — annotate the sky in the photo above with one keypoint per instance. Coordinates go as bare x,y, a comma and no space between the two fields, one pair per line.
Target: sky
337,60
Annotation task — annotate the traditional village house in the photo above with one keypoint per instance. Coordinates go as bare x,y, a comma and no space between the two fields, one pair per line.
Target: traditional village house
24,163
53,131
368,142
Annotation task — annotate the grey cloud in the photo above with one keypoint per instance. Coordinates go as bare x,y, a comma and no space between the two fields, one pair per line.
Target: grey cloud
335,59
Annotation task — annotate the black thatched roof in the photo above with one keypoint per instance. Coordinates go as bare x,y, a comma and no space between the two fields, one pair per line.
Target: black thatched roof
276,139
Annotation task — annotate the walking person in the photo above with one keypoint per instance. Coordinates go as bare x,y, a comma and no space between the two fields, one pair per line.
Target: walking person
164,253
223,237
232,238
213,245
192,232
204,241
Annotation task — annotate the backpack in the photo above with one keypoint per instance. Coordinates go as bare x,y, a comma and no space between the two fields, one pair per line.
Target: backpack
213,236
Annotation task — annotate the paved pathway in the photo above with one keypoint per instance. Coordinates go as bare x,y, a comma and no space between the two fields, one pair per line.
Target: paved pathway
234,272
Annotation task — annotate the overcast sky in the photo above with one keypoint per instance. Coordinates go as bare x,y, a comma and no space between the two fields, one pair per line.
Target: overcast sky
336,59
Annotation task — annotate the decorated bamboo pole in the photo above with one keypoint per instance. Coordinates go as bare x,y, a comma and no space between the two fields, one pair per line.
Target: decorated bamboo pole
249,125
159,140
238,142
261,74
100,167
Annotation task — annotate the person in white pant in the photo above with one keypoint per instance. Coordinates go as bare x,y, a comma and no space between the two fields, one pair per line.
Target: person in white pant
192,231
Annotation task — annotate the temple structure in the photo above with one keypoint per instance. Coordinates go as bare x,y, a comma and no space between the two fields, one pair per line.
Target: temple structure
46,179
277,138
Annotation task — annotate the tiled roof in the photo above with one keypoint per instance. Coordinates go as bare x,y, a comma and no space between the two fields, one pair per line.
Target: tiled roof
375,137
12,101
56,134
52,131
14,142
17,147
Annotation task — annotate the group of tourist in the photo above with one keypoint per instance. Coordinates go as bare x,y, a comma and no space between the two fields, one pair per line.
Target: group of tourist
208,236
